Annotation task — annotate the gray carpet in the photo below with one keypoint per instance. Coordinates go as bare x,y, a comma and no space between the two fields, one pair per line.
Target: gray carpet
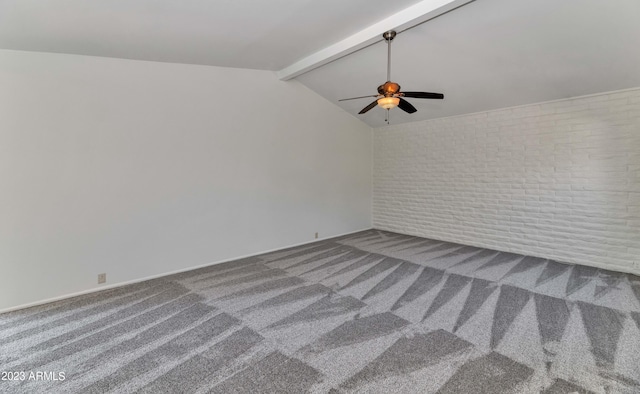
373,312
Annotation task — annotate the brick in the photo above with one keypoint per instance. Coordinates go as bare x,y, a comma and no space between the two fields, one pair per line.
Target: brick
556,180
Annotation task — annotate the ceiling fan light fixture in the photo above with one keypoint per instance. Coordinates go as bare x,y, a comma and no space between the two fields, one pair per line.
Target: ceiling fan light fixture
388,102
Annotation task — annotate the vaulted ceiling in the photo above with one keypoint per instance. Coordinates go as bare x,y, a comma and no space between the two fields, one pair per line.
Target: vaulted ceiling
482,55
257,34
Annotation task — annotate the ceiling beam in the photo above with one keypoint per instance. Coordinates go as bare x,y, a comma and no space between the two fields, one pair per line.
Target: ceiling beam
403,20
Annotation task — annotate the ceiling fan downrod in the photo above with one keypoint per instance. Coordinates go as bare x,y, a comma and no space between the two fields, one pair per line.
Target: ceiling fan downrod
389,36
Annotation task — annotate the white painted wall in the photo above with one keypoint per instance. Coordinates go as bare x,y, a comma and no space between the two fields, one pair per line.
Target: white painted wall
559,180
140,168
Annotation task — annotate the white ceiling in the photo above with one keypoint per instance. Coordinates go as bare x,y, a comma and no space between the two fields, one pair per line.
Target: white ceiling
485,55
256,34
493,54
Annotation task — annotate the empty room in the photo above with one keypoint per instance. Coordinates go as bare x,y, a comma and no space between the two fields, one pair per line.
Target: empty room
296,196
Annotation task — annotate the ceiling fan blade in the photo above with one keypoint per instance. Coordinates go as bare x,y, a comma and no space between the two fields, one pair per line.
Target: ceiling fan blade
406,106
368,107
361,97
423,95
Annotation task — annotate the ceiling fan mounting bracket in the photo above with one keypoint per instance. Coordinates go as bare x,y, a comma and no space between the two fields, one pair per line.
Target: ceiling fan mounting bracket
389,35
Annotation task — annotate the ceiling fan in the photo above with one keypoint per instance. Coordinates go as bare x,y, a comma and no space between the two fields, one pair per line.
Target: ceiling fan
389,94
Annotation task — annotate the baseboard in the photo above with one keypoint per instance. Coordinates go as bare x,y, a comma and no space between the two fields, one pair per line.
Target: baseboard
130,282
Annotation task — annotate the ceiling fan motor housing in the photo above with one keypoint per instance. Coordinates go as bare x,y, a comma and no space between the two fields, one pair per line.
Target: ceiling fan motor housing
388,89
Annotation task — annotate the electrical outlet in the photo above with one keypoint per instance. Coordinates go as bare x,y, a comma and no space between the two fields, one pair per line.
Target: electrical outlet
316,235
102,278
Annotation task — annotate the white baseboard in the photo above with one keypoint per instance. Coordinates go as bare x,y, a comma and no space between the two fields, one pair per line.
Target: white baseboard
120,284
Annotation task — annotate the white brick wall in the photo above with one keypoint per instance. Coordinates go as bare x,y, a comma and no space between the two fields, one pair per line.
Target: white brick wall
558,180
